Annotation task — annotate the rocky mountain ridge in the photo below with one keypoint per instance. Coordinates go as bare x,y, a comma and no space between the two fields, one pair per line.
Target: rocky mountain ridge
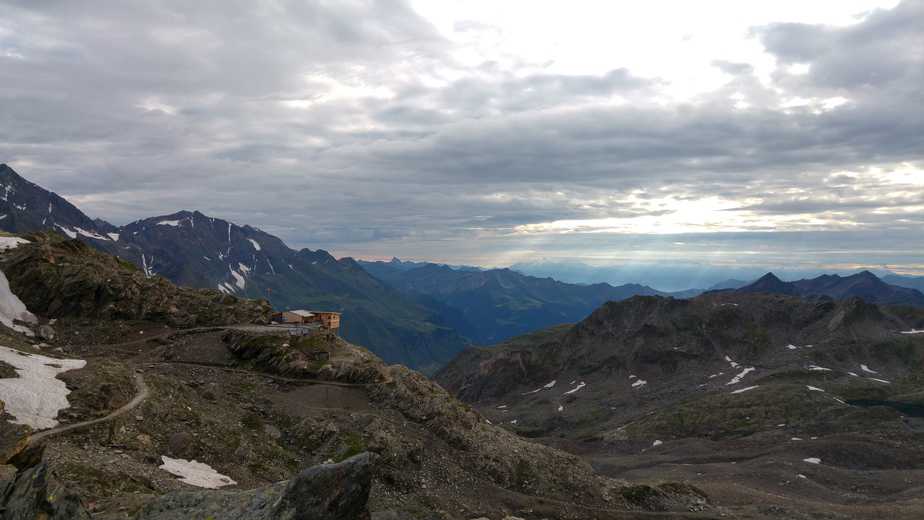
864,285
497,304
192,249
737,392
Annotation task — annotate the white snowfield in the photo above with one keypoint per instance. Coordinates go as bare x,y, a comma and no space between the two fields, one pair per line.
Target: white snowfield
867,369
256,245
814,388
12,308
575,389
812,460
11,242
816,368
195,473
912,331
742,390
171,223
37,395
639,383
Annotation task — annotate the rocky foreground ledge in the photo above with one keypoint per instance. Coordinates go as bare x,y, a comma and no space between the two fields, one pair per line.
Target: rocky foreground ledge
323,492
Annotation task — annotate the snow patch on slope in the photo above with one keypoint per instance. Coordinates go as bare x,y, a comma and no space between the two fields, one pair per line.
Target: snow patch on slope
737,379
11,242
89,234
239,280
731,362
69,232
195,473
37,395
13,309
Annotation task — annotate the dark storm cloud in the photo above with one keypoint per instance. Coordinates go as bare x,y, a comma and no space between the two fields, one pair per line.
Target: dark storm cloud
882,51
339,123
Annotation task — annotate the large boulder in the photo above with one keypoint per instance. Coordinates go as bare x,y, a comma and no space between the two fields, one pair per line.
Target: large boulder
33,494
325,492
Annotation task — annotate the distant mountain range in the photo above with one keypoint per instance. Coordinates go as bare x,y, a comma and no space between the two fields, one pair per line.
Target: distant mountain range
193,249
911,282
497,304
416,313
863,285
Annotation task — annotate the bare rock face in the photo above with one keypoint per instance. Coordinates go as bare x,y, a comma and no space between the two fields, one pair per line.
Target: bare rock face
33,494
62,278
325,492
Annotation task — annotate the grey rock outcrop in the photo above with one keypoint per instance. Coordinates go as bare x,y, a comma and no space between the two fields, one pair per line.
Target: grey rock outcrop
34,494
325,492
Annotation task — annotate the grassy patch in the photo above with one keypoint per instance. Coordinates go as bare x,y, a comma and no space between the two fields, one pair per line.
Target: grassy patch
354,444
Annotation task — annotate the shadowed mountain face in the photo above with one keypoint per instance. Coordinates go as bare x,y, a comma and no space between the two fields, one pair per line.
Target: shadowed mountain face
737,392
192,249
911,282
863,285
667,342
498,304
27,207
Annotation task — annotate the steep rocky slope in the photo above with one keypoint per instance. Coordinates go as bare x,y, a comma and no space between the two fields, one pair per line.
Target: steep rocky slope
656,350
26,207
725,385
864,285
62,278
193,249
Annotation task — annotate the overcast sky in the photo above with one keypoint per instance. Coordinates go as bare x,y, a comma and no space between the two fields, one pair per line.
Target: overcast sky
487,132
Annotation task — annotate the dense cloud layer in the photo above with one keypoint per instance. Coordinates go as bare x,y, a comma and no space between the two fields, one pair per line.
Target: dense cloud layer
356,126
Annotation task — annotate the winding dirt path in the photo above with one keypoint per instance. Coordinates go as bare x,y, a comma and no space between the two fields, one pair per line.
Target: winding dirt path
143,393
